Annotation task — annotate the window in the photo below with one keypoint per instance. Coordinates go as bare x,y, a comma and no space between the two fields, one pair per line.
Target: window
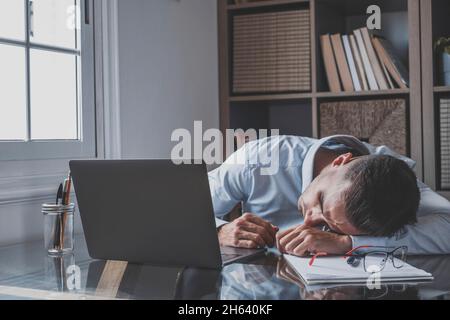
47,107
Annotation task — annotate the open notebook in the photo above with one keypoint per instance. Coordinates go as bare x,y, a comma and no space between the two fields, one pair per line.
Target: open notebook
328,270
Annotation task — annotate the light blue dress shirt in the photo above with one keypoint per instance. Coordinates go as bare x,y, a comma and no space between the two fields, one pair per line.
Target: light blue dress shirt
274,197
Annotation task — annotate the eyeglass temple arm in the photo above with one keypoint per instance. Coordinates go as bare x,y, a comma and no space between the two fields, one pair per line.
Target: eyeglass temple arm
350,253
322,254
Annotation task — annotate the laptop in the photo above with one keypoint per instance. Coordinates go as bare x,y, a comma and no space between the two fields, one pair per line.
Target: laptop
150,211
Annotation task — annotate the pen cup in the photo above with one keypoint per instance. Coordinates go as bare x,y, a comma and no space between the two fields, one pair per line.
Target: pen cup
58,228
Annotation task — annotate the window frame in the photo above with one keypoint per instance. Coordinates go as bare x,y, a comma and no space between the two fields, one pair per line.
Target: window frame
86,146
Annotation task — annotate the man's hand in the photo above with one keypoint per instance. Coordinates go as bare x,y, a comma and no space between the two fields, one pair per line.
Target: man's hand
303,240
287,273
248,231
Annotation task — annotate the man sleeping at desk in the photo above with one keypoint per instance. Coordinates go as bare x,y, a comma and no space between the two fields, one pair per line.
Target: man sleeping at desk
329,195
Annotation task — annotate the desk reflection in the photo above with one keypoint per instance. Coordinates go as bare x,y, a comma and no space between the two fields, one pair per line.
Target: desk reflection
26,272
121,280
437,289
270,278
257,281
56,274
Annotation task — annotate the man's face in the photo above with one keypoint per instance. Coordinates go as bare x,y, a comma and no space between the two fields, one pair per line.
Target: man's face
323,200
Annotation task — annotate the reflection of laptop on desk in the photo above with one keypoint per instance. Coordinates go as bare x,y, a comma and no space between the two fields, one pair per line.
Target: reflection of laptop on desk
150,211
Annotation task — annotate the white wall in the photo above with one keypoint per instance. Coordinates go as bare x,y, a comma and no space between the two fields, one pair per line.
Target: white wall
23,221
168,72
168,78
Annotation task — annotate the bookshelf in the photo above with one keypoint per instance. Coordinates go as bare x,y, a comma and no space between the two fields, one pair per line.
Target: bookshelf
434,21
379,93
405,23
441,89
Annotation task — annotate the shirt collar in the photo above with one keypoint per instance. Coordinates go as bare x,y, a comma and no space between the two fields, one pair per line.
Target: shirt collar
308,162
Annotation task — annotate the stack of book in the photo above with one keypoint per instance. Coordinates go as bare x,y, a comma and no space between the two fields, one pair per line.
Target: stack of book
362,62
272,52
445,143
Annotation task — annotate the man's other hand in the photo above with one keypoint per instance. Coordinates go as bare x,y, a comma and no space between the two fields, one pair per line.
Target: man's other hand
248,231
303,240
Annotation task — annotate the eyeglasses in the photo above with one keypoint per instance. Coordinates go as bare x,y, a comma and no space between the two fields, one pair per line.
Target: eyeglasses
374,260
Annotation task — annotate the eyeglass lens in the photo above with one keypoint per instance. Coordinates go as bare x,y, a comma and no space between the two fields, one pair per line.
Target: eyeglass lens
399,257
375,261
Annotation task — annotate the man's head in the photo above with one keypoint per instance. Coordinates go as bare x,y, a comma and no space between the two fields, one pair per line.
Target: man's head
372,195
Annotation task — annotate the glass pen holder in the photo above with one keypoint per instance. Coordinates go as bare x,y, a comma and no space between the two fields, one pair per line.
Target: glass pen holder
58,228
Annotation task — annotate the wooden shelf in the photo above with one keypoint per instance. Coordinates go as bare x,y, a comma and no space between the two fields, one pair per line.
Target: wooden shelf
266,3
441,89
300,96
270,97
391,92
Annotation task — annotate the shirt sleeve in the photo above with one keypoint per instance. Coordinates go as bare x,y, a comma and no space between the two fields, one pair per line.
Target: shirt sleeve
431,233
228,185
220,222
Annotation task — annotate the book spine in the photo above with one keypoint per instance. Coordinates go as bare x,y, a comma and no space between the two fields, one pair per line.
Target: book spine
378,72
351,63
373,85
387,63
330,64
397,65
359,63
342,63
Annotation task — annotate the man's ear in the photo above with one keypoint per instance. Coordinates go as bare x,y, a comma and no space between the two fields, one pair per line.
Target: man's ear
342,159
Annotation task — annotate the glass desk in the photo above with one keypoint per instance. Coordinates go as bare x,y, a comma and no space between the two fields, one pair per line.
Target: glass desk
26,272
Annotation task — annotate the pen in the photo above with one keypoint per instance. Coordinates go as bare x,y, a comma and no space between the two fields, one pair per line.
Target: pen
65,201
59,194
64,193
69,185
57,229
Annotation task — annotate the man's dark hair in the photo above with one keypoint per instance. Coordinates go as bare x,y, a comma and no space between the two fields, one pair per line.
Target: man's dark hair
383,196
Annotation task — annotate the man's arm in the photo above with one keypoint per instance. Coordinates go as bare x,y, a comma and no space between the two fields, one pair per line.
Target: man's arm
228,184
232,215
431,233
